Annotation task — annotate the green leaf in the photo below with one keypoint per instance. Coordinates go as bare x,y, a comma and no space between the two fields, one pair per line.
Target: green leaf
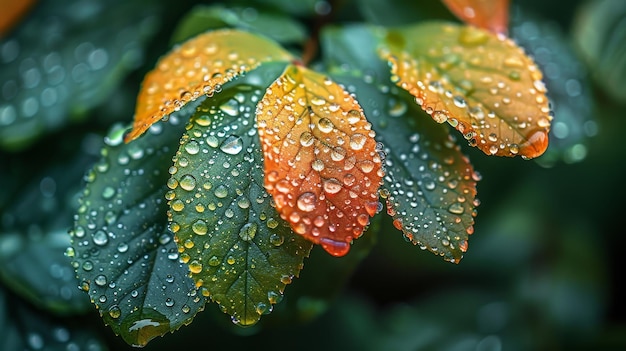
23,327
240,252
66,58
35,267
430,186
481,83
600,35
274,25
122,249
568,83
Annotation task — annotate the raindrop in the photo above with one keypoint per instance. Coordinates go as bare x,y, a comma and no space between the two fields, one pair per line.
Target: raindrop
306,139
325,125
232,145
248,231
187,182
332,186
456,208
199,227
221,191
307,202
357,141
100,238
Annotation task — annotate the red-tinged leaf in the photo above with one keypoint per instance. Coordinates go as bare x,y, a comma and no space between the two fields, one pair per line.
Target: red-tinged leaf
12,12
482,84
322,165
492,15
200,66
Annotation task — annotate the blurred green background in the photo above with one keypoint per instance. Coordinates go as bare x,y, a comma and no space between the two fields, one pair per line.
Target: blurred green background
542,271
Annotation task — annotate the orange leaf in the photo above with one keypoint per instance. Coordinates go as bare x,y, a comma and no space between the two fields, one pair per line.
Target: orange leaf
492,15
12,13
199,66
322,165
480,83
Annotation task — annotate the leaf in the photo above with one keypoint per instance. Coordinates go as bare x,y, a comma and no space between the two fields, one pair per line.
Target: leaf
600,37
199,66
12,13
24,327
492,15
240,253
122,250
481,84
65,58
430,186
322,165
275,25
568,83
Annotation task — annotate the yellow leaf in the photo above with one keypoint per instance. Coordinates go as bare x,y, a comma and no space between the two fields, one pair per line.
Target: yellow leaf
481,83
200,66
322,164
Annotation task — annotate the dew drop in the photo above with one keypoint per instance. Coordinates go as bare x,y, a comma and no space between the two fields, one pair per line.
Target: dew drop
325,125
232,145
456,208
357,141
221,191
331,186
199,227
306,139
187,182
248,231
307,202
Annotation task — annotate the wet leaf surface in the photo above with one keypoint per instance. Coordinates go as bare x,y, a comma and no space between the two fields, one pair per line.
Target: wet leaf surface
199,67
480,83
430,186
23,327
568,83
273,24
240,253
322,165
122,249
65,58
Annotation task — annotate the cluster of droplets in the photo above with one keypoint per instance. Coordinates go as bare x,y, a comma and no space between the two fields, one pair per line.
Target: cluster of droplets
217,57
503,114
116,246
49,69
322,166
219,210
429,186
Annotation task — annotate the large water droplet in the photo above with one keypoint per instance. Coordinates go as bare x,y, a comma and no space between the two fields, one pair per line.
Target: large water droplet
307,202
232,145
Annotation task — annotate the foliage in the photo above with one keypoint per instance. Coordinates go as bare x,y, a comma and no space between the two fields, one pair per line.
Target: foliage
276,147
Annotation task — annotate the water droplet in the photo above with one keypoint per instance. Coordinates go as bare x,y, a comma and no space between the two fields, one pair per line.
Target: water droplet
187,182
100,238
232,145
331,186
439,116
306,139
195,267
248,231
192,147
221,191
115,311
199,227
325,125
317,165
307,202
456,208
357,141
